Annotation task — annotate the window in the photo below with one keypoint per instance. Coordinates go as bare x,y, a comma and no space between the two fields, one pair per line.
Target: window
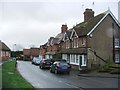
85,58
75,43
117,58
3,53
7,53
83,41
117,44
67,44
76,58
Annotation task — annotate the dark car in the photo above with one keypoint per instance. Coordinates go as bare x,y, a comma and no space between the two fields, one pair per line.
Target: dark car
45,63
59,67
36,60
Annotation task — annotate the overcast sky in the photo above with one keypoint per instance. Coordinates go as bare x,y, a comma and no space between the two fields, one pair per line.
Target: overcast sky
29,23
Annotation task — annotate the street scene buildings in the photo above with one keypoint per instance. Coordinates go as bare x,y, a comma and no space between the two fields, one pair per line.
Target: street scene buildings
84,56
89,44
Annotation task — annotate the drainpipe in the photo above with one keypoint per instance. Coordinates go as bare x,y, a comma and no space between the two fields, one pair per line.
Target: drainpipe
113,42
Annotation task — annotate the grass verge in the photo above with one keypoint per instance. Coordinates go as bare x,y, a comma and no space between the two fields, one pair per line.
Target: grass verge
11,77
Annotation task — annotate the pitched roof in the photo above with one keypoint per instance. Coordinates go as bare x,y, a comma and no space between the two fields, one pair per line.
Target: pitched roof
85,27
106,14
55,41
60,36
69,32
44,46
4,47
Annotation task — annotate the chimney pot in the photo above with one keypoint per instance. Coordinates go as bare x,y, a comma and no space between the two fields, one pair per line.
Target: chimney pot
64,28
88,14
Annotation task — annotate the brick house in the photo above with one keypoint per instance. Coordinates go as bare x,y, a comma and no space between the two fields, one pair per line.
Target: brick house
30,53
43,50
53,45
26,53
4,51
93,41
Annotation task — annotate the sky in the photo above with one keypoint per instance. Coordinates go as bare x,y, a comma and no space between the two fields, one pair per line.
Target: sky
30,23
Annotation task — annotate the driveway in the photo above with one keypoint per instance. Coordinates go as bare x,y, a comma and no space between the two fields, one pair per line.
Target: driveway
44,79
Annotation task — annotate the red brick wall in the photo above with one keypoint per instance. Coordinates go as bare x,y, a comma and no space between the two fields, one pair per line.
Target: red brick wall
55,48
42,51
6,55
26,51
49,48
34,51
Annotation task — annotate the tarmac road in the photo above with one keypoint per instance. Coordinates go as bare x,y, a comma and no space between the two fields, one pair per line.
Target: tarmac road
44,79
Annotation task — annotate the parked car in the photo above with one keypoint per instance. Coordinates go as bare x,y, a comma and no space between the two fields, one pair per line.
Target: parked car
60,67
45,63
36,60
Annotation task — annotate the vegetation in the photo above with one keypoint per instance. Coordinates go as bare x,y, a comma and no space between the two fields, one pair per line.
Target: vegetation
110,67
11,77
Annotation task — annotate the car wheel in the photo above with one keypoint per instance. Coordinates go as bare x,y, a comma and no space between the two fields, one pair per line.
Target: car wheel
51,70
40,67
56,72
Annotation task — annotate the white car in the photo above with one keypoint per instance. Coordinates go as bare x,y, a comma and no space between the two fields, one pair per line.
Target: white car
36,60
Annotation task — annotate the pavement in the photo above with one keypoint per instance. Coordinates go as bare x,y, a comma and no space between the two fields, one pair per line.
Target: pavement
96,74
101,75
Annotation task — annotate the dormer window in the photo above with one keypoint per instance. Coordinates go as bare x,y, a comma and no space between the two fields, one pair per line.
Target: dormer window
67,44
75,43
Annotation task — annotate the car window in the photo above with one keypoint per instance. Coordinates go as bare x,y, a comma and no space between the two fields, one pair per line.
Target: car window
62,64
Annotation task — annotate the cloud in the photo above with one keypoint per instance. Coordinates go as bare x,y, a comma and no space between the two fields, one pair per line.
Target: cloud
32,22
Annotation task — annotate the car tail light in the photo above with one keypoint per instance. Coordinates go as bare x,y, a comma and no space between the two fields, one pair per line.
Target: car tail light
43,61
58,65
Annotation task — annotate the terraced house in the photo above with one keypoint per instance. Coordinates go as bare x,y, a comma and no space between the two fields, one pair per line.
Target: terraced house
93,41
90,43
53,45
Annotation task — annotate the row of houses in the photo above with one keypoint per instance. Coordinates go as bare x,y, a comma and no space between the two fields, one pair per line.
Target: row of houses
30,53
4,51
88,44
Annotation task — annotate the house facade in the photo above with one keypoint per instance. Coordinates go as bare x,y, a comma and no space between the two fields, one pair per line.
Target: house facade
93,42
53,45
4,51
29,54
89,44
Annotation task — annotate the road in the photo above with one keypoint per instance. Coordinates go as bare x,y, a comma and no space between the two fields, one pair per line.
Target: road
44,79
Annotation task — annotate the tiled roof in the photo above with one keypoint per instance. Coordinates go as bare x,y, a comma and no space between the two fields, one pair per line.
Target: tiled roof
55,41
60,36
4,47
84,27
44,46
68,32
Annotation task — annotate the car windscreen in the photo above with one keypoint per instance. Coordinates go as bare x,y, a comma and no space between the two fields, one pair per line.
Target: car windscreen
63,64
37,60
47,60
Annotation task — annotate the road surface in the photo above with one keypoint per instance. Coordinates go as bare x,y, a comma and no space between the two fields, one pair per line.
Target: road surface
44,79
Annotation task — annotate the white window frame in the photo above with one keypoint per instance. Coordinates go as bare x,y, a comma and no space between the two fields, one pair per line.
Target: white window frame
84,60
73,58
67,44
117,58
75,42
117,43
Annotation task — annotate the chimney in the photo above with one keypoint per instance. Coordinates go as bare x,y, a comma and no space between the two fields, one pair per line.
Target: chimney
64,28
88,14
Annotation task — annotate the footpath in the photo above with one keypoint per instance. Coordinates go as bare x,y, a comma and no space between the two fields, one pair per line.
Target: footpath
96,74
